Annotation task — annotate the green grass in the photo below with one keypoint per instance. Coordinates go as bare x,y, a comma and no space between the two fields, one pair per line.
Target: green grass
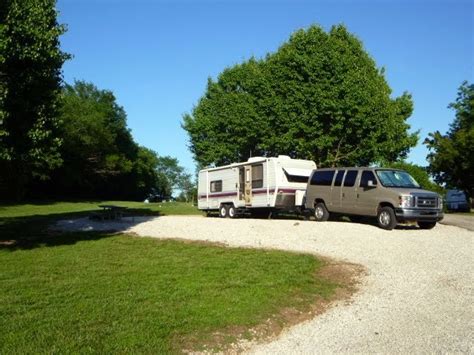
51,207
101,293
125,294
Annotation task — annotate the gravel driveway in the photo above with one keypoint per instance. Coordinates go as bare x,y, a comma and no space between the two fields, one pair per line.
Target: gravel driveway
417,296
460,220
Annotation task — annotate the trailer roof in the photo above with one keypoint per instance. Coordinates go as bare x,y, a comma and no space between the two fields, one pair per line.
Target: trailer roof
254,160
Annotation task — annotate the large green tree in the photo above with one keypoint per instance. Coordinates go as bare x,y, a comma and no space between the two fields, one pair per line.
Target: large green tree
451,155
30,82
320,96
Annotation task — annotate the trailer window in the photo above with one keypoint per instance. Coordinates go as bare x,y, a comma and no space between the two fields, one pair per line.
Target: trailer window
216,186
322,178
257,176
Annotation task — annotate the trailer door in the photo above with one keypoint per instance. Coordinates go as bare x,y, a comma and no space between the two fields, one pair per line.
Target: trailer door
248,185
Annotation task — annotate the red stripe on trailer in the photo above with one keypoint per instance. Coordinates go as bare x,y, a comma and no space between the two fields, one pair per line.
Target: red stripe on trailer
254,192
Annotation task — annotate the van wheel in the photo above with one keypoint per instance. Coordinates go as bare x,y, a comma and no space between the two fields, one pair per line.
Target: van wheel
232,213
321,212
426,225
386,218
223,211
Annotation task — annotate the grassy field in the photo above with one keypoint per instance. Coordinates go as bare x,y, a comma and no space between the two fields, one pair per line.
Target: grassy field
98,292
51,208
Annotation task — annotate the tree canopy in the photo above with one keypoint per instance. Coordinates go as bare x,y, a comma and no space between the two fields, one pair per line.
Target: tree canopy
451,155
60,140
30,84
320,96
101,159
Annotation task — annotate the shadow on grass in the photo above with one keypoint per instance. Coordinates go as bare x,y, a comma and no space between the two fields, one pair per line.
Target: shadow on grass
34,231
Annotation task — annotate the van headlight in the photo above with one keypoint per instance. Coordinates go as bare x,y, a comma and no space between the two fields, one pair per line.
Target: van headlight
405,201
440,202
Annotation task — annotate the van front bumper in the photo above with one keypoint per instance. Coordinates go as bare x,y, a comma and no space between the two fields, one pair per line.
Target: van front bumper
419,214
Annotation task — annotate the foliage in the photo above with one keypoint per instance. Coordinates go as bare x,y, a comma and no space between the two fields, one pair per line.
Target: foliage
101,159
97,143
172,177
451,155
419,173
30,79
144,176
169,173
188,189
320,97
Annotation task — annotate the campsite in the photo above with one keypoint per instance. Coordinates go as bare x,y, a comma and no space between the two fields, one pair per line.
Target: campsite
286,177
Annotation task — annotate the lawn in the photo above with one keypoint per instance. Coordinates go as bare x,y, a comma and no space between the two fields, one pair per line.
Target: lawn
101,293
51,207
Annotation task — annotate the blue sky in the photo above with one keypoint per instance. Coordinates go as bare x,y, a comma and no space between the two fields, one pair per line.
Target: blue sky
156,56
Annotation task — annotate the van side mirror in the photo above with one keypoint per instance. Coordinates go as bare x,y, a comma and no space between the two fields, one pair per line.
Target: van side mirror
370,183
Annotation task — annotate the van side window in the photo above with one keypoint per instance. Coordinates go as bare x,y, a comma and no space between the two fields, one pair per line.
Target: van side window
339,177
350,179
216,186
257,176
366,176
322,178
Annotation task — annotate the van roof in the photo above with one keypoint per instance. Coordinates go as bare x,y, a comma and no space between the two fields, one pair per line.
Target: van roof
357,168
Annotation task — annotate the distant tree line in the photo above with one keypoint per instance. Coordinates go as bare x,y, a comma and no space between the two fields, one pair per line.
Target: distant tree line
59,140
100,157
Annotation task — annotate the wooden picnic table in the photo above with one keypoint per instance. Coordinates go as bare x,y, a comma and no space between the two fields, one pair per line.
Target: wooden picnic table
112,211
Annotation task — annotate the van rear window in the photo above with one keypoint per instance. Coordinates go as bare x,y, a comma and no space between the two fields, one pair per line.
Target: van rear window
322,178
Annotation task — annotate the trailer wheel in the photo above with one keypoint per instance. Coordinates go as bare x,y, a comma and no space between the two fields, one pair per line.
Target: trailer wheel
223,212
231,212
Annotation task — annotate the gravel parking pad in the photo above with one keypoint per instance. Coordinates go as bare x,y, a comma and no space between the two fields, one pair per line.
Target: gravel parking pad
417,296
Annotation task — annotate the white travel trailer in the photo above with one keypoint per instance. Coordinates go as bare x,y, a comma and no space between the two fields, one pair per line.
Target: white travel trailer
260,183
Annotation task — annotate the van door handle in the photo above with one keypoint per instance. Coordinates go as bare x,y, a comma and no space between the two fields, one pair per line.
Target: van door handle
343,195
357,195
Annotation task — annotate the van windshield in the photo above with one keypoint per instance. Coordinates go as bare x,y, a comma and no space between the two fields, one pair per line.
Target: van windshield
397,178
